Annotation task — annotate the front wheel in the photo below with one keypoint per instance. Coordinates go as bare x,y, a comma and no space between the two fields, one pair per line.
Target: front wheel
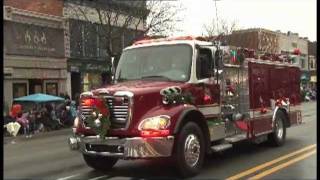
189,150
278,136
100,163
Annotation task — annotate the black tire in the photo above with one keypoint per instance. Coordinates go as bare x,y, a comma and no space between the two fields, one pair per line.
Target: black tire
100,163
276,138
189,130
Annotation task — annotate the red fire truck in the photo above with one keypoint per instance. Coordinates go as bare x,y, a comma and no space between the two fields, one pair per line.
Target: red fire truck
183,98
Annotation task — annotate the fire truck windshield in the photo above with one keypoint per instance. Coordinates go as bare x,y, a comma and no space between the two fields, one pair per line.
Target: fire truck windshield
163,62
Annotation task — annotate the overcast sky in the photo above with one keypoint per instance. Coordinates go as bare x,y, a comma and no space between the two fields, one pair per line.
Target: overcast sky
298,16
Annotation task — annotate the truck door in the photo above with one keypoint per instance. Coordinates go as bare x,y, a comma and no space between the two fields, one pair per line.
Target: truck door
210,89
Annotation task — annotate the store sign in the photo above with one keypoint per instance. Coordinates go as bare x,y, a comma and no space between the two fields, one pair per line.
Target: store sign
33,40
87,67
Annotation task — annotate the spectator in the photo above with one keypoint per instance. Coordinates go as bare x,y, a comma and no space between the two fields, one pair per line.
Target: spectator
66,96
77,100
15,110
24,122
56,121
73,110
32,120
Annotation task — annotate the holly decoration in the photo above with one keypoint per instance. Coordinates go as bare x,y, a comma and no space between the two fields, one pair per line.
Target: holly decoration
173,95
99,121
185,98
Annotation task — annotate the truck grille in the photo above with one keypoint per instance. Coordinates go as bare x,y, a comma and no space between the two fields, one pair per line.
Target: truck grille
119,111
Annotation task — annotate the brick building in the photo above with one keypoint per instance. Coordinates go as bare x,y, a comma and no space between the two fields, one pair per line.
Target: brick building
261,40
274,42
34,55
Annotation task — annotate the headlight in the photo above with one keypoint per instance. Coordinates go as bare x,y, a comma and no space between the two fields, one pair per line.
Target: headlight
155,123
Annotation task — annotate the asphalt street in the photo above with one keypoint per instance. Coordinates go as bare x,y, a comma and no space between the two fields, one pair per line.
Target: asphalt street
47,156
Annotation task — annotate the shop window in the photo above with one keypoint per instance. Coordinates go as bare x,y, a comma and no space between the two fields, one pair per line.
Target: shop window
19,89
35,86
302,63
52,88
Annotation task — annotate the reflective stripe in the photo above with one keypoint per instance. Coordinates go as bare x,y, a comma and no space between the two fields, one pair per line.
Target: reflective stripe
210,110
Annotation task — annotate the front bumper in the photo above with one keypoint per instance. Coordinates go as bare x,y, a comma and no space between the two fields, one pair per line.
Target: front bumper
124,148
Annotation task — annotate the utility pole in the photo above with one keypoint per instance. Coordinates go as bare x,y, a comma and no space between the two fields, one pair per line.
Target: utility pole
215,4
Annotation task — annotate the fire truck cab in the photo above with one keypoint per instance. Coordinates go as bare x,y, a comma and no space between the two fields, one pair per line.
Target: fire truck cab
183,98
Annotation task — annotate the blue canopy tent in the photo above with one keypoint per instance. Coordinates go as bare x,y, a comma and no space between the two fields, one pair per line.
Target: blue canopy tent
38,98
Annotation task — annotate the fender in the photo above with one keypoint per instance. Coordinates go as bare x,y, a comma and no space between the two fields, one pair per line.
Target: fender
201,122
182,116
285,111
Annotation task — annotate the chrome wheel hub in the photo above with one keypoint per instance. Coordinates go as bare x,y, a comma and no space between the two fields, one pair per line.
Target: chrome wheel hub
192,150
279,129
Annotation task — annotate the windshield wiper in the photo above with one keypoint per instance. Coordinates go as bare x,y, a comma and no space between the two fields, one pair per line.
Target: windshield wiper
156,76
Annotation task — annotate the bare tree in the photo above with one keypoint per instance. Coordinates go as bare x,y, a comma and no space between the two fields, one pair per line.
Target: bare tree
225,27
116,20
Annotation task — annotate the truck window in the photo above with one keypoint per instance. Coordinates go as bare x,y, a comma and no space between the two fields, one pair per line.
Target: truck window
204,64
169,62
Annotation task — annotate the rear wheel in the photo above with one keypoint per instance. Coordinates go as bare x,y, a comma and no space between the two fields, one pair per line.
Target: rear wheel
278,136
189,150
100,163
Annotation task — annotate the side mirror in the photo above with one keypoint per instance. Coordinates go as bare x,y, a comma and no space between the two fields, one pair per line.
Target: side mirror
218,59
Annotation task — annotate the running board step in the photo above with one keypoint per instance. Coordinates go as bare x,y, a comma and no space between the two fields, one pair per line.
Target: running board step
236,138
221,147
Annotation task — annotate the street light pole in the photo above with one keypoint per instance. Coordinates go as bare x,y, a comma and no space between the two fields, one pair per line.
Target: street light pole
215,4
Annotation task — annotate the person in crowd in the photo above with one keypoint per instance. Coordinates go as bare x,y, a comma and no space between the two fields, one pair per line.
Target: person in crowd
44,119
66,96
32,120
49,122
24,122
77,100
68,115
73,111
55,120
314,94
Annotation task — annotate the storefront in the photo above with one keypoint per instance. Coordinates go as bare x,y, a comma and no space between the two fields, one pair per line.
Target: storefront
87,75
305,79
313,79
34,60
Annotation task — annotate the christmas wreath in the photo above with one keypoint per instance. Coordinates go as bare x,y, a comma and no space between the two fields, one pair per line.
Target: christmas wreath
99,120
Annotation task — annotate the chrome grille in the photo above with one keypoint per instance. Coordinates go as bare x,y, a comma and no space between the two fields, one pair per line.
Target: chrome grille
118,111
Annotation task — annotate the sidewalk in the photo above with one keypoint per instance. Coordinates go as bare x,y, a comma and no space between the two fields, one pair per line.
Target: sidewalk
65,131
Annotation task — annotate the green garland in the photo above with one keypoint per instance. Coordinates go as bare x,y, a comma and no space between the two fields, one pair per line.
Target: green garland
99,121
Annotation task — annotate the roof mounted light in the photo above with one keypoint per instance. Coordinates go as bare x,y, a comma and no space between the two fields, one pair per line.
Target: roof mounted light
182,38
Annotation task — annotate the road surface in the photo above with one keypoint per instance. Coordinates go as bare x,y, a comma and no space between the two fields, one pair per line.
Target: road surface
48,157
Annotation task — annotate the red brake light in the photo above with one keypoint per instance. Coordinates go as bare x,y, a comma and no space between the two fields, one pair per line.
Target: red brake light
154,133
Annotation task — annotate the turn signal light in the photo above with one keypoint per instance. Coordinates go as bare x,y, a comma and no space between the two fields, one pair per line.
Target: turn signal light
88,102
